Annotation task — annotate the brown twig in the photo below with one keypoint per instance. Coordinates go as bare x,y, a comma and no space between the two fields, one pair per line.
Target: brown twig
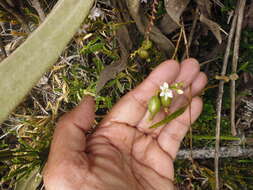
226,152
16,14
37,6
219,99
185,41
234,64
178,42
152,18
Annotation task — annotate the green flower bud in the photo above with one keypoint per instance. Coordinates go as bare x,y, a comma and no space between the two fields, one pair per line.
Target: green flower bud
165,102
154,106
143,54
147,44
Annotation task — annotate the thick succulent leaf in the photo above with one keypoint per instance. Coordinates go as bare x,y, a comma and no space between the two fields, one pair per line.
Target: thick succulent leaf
175,8
23,69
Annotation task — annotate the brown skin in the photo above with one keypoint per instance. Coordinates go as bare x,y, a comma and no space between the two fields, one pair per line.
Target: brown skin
124,153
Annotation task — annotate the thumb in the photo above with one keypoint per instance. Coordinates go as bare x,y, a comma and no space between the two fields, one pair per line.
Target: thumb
69,135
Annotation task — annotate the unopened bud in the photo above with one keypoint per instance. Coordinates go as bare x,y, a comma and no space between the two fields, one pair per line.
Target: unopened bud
154,106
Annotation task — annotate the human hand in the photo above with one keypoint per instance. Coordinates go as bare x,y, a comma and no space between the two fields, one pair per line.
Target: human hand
124,153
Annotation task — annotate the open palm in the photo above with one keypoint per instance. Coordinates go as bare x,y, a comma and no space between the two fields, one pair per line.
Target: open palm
124,153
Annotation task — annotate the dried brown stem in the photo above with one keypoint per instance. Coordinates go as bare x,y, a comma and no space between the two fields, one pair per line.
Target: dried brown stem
152,18
207,153
234,64
178,42
194,24
219,100
37,6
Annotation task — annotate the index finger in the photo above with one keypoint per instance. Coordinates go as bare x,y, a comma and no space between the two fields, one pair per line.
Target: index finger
132,107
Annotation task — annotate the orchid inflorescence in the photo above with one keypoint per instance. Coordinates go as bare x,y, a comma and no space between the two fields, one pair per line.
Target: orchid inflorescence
163,98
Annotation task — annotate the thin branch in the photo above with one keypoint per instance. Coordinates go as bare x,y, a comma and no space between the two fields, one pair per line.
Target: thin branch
194,24
178,42
235,63
37,6
185,41
219,100
225,152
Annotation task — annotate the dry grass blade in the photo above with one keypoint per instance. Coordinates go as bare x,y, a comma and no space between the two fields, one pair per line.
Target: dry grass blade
234,64
219,99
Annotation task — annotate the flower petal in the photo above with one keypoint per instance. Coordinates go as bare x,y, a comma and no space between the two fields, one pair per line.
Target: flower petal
179,91
162,93
165,85
170,93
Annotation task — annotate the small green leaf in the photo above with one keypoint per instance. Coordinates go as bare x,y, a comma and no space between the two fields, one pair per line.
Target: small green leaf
169,118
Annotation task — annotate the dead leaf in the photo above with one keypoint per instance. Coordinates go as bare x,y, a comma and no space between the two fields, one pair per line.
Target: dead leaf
175,8
167,25
125,44
110,72
205,7
155,34
213,26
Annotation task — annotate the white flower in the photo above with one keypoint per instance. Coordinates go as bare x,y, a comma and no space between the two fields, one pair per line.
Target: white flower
95,13
166,91
179,91
144,1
